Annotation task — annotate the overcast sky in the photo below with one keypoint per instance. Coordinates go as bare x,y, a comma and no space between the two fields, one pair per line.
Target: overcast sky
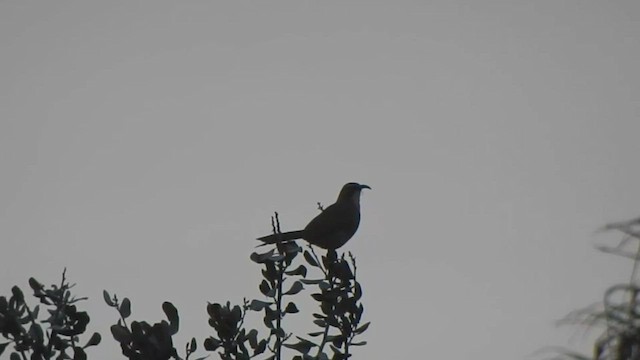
144,146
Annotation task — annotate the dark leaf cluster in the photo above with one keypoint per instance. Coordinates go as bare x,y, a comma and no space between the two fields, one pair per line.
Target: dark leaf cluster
281,280
341,311
337,292
284,276
56,335
231,338
144,341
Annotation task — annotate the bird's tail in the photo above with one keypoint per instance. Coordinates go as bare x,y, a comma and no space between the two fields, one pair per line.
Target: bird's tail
280,237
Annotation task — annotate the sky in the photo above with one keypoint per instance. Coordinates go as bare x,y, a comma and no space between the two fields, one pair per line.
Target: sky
144,146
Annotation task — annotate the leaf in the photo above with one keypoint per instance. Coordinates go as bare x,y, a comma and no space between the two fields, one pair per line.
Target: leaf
359,343
125,308
24,320
303,346
343,271
299,347
269,256
172,316
214,310
137,329
310,259
35,285
276,257
295,288
270,273
336,340
94,340
278,332
236,313
107,298
291,308
14,356
266,290
337,353
17,294
257,305
252,336
362,328
79,354
291,248
36,333
324,285
270,314
211,344
311,281
121,334
262,346
357,291
255,257
300,270
193,346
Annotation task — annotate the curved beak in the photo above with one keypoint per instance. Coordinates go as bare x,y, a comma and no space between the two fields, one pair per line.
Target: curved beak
362,186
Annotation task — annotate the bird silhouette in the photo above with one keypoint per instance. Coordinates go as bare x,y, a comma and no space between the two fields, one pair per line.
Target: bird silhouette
334,226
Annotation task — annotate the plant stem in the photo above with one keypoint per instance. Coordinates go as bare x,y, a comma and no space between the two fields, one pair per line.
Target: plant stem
279,310
329,278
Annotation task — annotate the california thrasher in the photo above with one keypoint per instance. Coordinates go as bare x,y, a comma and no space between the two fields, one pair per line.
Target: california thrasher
334,226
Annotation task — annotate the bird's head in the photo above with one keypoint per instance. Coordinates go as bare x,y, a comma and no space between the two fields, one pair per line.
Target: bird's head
351,192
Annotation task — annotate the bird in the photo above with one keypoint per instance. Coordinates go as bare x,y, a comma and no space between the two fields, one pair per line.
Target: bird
334,226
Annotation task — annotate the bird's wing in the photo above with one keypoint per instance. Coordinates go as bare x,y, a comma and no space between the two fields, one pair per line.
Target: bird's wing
335,219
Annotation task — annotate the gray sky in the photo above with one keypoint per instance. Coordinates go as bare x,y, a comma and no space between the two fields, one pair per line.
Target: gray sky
144,146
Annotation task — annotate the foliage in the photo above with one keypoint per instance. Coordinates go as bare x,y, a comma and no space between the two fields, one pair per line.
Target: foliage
334,288
619,312
57,336
142,341
337,293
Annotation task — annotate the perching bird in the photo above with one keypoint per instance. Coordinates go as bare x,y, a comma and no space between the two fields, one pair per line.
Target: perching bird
334,226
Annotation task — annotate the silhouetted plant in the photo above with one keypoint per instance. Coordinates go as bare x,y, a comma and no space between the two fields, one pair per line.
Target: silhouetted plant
142,341
338,295
619,312
340,306
57,336
232,338
336,291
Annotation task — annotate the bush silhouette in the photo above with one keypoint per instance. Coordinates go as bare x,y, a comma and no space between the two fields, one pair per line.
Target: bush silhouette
57,336
285,275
